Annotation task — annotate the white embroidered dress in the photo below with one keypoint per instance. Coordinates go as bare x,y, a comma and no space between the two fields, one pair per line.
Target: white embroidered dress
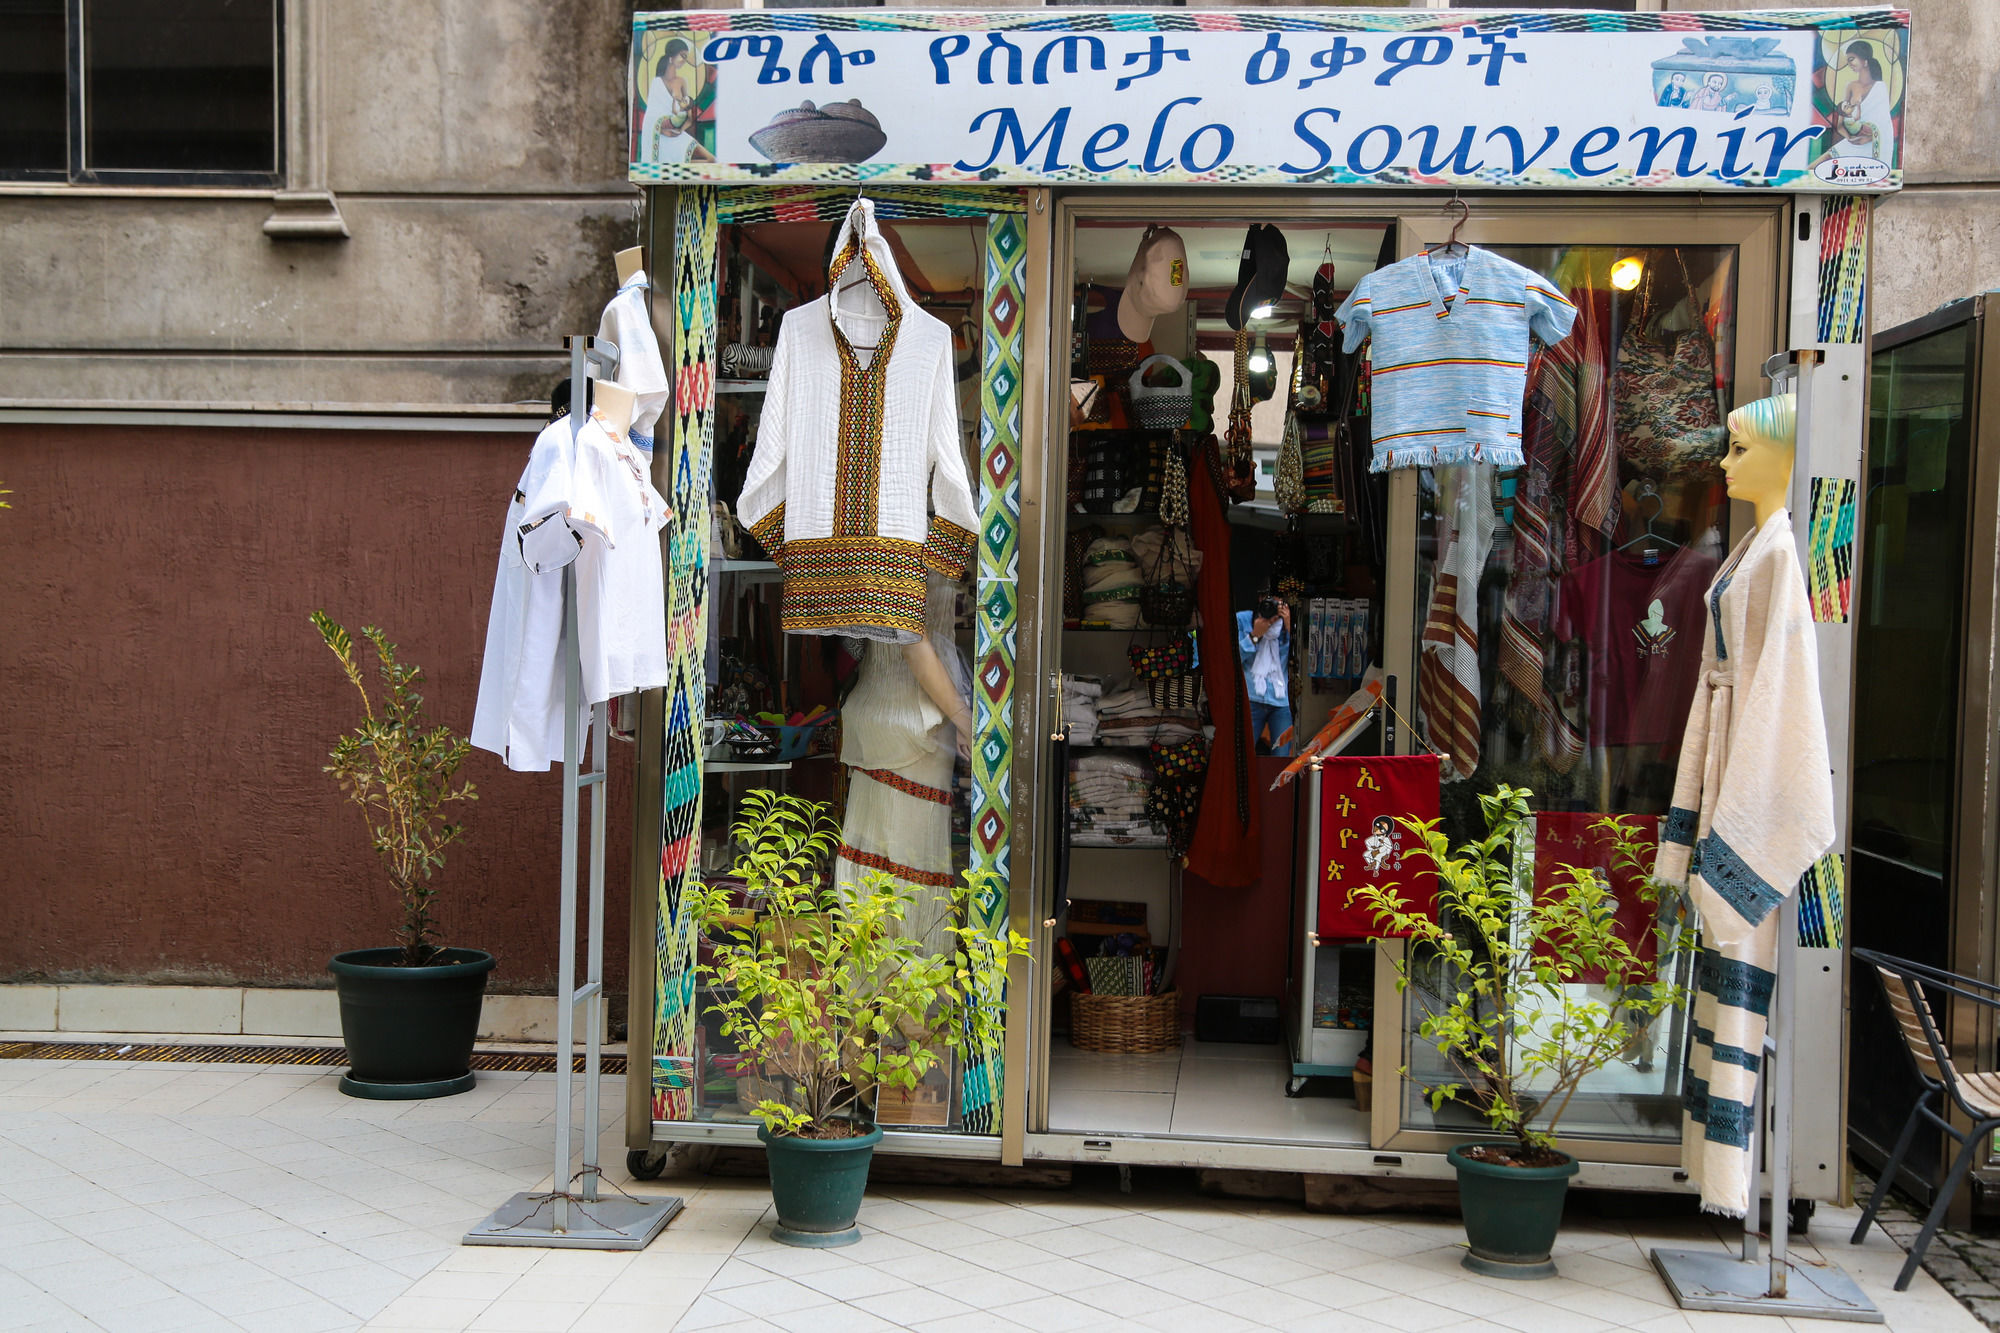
858,440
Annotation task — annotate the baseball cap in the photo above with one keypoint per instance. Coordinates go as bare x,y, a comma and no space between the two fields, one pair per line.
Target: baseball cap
1260,276
1155,285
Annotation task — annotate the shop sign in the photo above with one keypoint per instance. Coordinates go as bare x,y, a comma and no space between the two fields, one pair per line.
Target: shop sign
1773,100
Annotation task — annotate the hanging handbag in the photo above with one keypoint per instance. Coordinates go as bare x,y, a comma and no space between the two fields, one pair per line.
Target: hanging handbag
1160,661
1174,484
1302,396
1161,406
1236,441
1665,418
1176,693
1290,483
1166,602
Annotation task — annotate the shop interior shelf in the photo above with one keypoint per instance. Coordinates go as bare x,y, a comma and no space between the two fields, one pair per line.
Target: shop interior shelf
727,566
733,766
1079,518
1142,845
742,386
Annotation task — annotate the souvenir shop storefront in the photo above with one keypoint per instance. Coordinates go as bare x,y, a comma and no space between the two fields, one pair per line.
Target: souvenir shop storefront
1217,475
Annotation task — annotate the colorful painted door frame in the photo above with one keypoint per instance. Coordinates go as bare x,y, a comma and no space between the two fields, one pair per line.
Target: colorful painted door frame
699,211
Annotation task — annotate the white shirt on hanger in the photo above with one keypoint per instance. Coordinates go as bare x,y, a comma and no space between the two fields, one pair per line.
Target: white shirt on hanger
519,713
620,585
627,323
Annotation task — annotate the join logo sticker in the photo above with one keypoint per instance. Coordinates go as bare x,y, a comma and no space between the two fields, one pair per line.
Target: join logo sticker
1851,170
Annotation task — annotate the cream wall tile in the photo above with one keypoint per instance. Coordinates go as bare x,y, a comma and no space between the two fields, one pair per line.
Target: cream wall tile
28,1008
269,1012
194,1009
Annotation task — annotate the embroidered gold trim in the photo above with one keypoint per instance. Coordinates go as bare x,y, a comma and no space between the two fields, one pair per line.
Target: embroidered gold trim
948,549
857,477
770,532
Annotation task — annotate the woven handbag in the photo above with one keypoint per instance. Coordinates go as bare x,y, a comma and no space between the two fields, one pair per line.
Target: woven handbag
1161,661
1175,693
1161,406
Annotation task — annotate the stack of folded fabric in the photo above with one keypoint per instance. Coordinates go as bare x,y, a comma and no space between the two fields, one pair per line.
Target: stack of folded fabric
1110,585
1127,716
1079,708
1107,800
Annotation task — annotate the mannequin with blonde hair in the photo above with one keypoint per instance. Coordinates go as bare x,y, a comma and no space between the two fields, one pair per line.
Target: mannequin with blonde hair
1763,436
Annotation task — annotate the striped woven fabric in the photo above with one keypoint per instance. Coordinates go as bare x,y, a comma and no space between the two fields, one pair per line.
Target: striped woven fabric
935,795
935,879
1448,691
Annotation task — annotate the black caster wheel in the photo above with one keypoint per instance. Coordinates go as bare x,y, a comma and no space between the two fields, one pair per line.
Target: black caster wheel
646,1163
1801,1215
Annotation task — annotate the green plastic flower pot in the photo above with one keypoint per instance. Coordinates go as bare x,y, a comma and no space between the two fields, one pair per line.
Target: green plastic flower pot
817,1185
1512,1213
409,1030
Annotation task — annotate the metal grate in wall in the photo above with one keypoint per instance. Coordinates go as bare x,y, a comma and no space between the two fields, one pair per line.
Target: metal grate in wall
487,1061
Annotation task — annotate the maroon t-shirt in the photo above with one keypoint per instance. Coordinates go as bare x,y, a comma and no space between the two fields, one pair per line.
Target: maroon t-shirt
1641,625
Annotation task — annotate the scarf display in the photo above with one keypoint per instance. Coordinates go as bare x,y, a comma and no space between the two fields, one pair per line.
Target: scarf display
1448,692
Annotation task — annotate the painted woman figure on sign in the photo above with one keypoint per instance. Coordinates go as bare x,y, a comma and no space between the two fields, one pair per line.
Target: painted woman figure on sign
1676,91
1863,126
677,100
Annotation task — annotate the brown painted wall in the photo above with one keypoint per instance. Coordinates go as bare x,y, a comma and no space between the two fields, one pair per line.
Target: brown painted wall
165,707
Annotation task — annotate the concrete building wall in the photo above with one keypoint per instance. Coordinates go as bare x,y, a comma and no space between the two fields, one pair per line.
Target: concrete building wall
476,151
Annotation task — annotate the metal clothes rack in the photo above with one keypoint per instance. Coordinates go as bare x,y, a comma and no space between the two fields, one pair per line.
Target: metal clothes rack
571,1214
1711,1279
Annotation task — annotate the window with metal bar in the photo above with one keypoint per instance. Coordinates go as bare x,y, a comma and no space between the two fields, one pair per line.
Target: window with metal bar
140,92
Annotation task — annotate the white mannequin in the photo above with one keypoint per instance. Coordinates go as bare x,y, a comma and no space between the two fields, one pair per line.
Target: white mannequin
936,683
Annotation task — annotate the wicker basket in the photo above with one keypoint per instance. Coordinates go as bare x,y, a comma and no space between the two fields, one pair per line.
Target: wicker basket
1125,1024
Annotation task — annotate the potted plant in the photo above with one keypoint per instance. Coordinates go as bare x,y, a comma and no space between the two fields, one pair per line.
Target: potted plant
408,1012
1509,1013
828,999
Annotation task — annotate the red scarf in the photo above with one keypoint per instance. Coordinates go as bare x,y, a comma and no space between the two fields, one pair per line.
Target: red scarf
1224,850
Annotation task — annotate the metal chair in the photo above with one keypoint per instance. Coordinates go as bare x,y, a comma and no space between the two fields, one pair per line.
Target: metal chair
1977,1095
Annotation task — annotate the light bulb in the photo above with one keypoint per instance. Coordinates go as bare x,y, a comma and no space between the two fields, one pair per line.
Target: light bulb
1262,312
1625,274
1260,361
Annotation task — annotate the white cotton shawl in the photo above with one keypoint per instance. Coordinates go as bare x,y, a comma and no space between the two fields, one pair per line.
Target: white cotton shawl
1752,811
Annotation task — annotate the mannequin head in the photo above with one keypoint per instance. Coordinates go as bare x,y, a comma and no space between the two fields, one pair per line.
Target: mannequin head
1762,436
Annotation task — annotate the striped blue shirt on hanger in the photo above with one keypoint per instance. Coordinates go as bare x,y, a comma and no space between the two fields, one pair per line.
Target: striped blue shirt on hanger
1449,359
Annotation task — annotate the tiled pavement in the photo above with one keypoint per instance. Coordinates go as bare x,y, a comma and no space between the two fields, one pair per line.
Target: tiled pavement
167,1197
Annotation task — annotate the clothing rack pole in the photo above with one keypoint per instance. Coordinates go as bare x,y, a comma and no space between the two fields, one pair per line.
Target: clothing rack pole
1704,1279
576,1218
